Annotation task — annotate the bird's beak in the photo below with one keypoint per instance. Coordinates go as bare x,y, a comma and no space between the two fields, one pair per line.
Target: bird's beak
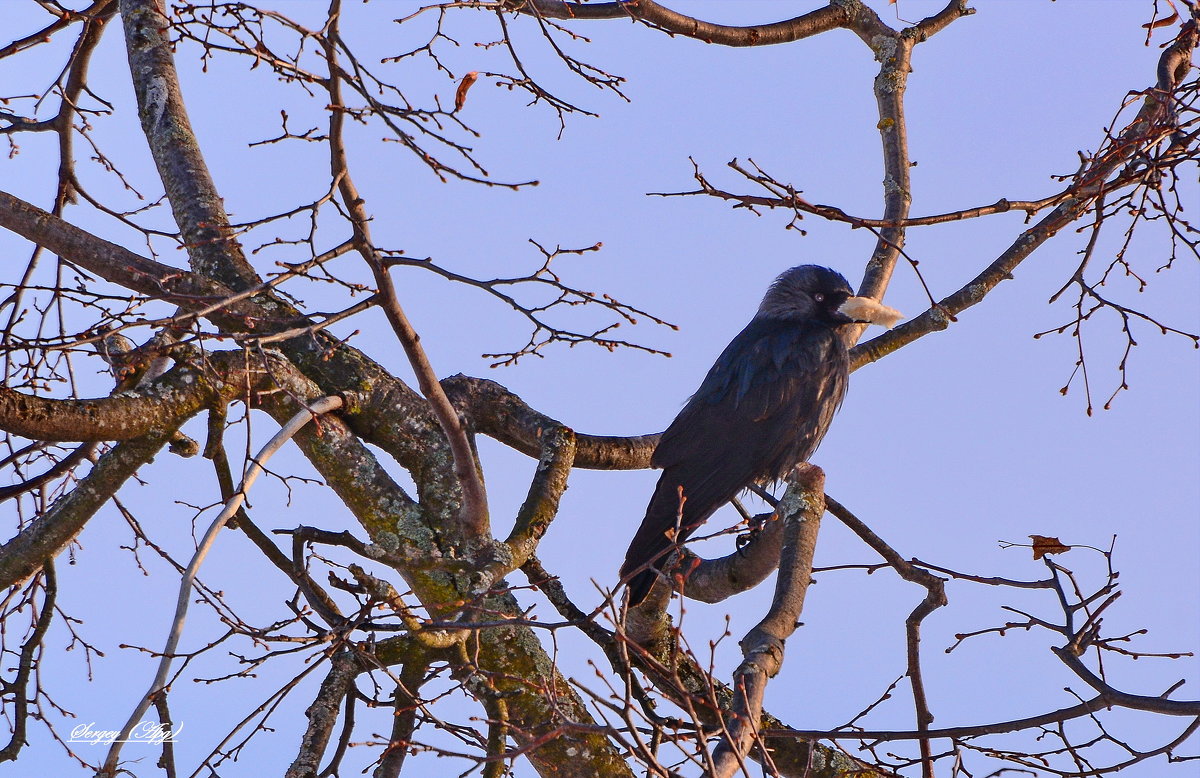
864,310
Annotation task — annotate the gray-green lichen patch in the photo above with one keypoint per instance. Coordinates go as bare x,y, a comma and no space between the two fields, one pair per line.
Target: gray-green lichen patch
793,506
884,47
411,525
157,94
893,73
892,187
938,318
386,543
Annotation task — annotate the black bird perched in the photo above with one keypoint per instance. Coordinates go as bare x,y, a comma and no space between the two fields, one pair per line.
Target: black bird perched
761,410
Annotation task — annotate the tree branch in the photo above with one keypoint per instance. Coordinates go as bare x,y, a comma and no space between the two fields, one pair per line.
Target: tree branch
65,465
931,25
815,22
714,580
18,687
119,265
894,54
935,597
1151,125
159,685
199,211
1124,699
322,714
110,418
500,414
48,534
541,503
762,648
473,513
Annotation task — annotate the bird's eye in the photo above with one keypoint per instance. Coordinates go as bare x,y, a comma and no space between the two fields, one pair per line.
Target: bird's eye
819,297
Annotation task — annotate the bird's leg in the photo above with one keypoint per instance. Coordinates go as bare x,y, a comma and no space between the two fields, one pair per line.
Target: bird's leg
741,509
766,495
755,524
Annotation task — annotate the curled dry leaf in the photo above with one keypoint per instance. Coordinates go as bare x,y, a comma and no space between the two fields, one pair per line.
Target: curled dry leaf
1165,22
464,86
1043,545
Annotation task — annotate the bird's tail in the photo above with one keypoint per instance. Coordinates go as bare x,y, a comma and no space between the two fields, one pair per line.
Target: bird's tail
639,586
665,526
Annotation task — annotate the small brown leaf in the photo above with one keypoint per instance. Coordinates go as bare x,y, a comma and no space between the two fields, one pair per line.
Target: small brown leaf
460,96
1167,22
1043,545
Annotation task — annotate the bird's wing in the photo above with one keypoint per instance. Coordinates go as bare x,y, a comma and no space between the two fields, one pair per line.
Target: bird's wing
772,392
762,408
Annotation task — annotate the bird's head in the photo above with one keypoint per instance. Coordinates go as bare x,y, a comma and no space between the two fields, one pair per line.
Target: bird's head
812,292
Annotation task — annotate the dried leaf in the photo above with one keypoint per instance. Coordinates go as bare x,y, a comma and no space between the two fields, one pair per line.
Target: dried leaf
1167,22
460,96
1043,545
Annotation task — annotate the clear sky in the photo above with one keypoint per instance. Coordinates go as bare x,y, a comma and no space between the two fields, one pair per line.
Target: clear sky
945,448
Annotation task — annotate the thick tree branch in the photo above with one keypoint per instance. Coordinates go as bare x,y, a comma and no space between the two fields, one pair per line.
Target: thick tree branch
179,394
714,580
111,418
323,713
815,22
119,265
541,503
500,414
894,54
762,648
199,211
48,534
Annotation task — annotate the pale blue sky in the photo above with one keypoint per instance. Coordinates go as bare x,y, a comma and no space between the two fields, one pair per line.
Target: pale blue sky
945,448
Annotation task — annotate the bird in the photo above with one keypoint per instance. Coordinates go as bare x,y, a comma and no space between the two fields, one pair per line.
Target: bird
762,409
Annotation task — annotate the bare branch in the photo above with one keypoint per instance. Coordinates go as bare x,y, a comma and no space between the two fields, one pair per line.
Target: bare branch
815,22
473,516
159,686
